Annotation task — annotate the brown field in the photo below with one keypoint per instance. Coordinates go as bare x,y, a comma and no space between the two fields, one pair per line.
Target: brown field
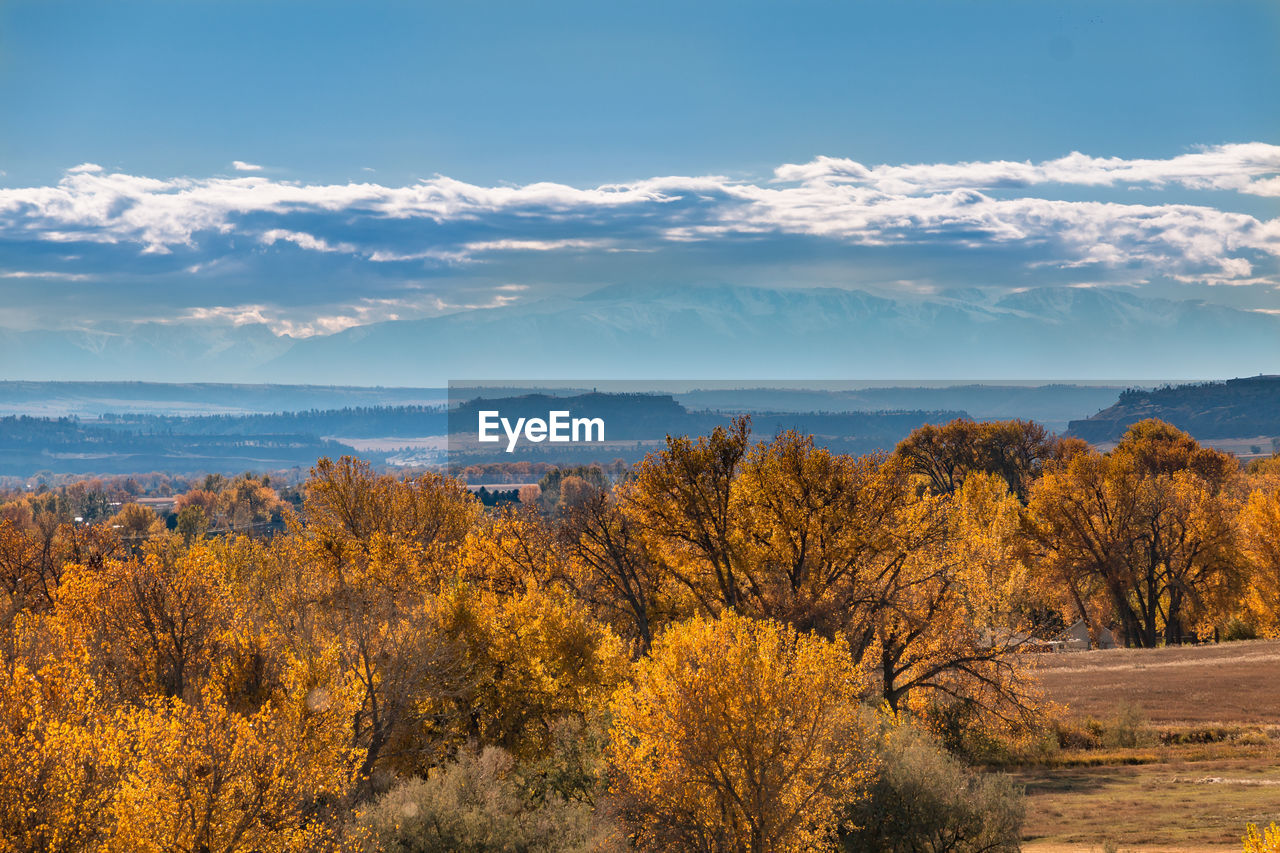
1228,682
1181,798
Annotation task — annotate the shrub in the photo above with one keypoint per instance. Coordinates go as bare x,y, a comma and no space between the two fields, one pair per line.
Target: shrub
1238,629
1085,734
1200,735
924,800
479,803
964,729
1128,729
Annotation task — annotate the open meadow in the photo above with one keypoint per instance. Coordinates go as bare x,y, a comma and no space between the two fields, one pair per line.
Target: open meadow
1189,751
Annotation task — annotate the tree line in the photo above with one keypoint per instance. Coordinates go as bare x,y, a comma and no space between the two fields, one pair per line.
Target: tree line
739,645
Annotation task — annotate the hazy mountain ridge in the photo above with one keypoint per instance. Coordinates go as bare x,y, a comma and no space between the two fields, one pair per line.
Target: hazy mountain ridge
716,331
93,399
178,352
725,331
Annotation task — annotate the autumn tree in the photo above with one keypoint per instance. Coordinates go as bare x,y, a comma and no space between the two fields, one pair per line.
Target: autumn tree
34,556
564,487
529,662
782,529
61,755
154,626
1015,450
739,735
449,622
844,547
821,536
347,504
1260,535
509,549
1265,840
610,568
126,730
952,627
248,504
25,577
682,499
1147,527
205,778
135,523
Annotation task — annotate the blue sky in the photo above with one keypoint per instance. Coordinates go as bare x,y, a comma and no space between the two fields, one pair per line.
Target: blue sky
602,92
317,165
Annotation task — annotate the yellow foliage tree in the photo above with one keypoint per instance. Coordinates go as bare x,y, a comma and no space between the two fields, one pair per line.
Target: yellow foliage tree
1015,451
739,735
1264,841
1146,531
155,626
61,753
952,628
135,523
525,663
203,778
357,581
1260,534
610,568
920,583
682,498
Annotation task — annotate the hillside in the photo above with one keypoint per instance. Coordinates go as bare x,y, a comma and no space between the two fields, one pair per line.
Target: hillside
638,423
230,443
1237,408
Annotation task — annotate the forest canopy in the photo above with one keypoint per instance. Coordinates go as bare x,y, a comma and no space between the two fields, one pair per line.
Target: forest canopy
735,645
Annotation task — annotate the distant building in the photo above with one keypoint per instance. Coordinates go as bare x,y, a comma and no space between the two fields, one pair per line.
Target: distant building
161,506
1076,638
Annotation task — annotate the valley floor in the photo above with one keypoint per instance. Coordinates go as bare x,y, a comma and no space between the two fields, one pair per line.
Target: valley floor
1207,761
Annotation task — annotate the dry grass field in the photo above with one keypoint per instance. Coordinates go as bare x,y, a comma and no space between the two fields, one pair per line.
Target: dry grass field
1206,761
1227,682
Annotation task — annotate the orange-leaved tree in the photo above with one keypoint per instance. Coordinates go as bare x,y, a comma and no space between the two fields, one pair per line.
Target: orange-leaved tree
1147,530
1262,841
739,734
1260,535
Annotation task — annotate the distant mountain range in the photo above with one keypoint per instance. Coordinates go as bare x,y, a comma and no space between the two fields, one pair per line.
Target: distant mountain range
709,332
94,399
157,406
156,352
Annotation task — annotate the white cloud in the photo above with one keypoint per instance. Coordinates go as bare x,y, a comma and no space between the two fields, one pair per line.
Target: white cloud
61,276
304,240
531,245
281,323
242,166
444,222
332,319
1246,168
